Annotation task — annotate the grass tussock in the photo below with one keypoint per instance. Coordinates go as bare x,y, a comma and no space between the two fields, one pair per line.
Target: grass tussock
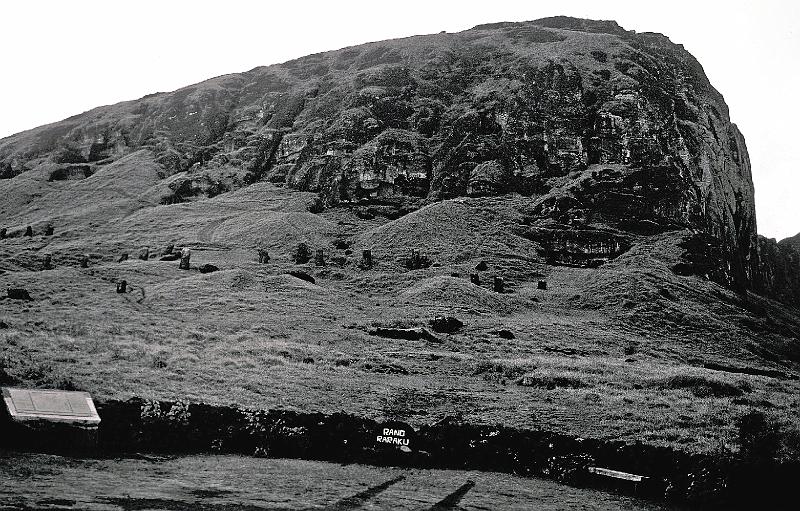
551,381
500,371
701,386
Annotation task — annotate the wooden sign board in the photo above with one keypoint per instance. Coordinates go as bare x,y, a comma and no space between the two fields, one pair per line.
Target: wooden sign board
50,406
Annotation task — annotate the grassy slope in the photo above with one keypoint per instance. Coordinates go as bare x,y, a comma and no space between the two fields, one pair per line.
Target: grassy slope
614,352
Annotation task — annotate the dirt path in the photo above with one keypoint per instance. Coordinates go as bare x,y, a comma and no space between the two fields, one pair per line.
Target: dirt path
222,483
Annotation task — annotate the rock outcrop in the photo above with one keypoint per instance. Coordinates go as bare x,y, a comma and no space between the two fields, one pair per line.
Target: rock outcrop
612,133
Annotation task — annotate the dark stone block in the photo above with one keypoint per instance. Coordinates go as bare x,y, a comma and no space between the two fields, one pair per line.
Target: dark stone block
18,294
301,275
445,324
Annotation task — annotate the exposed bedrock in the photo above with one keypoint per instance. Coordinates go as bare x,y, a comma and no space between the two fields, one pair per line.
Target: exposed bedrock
604,125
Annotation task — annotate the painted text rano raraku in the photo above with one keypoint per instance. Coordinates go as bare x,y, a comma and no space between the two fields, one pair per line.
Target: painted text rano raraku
393,437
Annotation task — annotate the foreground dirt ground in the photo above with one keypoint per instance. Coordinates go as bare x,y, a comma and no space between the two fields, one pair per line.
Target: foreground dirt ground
616,352
217,483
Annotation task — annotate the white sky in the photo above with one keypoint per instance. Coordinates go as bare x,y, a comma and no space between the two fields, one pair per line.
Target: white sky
60,58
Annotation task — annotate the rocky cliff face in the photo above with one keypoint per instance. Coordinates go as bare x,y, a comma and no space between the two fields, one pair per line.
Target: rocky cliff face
611,133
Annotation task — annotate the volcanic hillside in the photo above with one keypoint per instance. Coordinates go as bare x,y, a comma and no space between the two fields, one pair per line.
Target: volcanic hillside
593,169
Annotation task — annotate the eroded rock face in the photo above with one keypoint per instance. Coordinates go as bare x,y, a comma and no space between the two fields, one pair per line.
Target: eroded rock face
606,125
778,271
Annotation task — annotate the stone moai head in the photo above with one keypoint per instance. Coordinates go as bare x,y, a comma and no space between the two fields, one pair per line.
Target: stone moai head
3,233
499,285
263,256
47,263
542,284
168,249
123,257
186,254
122,286
144,254
302,254
319,259
475,279
366,258
48,230
85,261
29,231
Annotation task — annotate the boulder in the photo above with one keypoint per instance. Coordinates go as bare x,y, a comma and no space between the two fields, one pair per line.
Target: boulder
445,324
18,294
208,268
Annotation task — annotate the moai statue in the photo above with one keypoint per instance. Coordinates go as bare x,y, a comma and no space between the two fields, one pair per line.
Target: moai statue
168,249
499,285
122,286
302,254
144,254
263,256
3,233
366,258
417,260
47,264
475,279
542,285
85,261
319,260
185,255
123,257
29,231
48,230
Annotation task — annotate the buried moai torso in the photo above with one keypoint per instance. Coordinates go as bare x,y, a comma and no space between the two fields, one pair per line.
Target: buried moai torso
366,258
263,256
499,285
186,254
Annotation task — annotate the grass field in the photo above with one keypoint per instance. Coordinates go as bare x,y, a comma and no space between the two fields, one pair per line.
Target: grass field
218,483
613,352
